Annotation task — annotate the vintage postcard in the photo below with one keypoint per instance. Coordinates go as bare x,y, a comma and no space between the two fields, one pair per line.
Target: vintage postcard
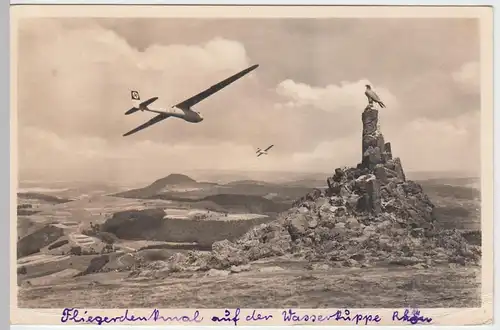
264,165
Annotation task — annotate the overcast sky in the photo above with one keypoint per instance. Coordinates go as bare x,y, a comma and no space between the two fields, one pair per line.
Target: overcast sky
307,96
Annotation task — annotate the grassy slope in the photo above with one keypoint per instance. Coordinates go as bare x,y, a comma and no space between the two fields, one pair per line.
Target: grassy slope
360,288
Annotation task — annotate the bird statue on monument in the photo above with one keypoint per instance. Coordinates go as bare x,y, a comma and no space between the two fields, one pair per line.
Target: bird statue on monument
373,97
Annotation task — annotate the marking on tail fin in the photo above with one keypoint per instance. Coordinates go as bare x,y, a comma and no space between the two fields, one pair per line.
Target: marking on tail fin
135,95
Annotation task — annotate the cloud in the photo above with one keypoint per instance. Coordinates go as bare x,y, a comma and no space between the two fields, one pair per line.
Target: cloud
81,79
332,98
78,84
340,105
94,158
446,145
75,79
468,77
327,155
422,144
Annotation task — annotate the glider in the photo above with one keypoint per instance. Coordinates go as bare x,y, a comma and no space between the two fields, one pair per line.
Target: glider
261,152
183,109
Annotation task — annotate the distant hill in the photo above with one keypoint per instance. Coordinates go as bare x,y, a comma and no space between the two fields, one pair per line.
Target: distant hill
426,175
310,183
43,197
254,196
435,187
181,187
457,204
160,186
267,176
470,182
171,179
248,182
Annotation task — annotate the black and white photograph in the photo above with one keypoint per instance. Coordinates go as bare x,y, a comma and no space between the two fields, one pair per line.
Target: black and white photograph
253,159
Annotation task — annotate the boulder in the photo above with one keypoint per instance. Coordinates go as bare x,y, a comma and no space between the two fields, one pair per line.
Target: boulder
239,269
271,269
372,156
225,254
381,173
399,169
217,273
387,151
297,225
352,223
338,175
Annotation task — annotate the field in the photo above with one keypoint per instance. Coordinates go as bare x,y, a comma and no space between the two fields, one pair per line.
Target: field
50,273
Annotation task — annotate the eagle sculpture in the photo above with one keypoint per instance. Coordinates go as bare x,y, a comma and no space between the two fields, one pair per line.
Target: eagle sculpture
373,97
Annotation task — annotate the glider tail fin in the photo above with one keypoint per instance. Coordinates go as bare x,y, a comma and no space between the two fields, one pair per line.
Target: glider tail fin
136,98
136,102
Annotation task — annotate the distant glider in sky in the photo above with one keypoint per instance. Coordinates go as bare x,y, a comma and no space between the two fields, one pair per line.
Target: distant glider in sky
261,152
181,110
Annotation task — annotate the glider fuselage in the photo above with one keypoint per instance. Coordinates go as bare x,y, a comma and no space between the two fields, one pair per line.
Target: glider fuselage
188,115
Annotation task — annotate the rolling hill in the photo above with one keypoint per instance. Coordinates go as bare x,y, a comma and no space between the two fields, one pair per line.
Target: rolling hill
236,196
42,197
169,184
